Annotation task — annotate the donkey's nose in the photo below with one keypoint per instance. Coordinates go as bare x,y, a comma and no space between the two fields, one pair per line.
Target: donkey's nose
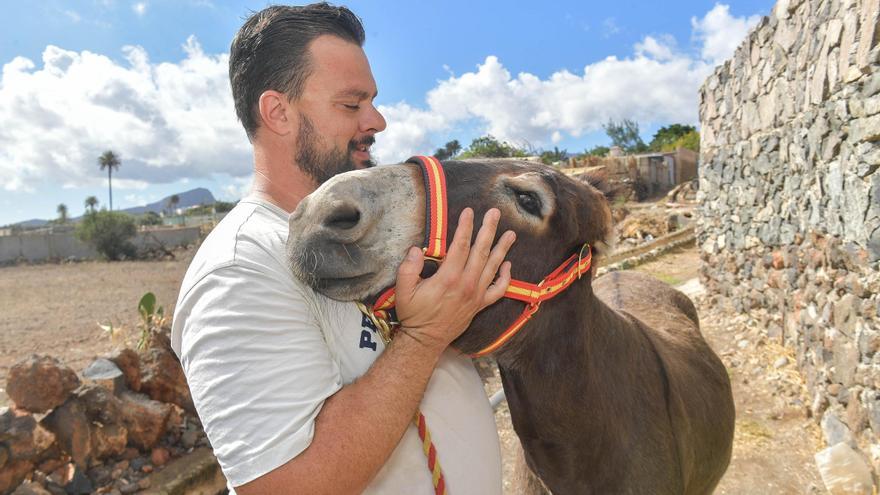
343,216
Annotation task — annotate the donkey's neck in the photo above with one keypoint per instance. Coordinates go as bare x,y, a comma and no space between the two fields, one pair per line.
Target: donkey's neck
572,334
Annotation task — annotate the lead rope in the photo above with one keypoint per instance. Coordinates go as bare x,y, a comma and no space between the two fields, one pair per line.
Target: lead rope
381,318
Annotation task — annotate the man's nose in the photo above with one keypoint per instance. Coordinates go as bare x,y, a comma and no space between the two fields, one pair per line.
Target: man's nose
373,121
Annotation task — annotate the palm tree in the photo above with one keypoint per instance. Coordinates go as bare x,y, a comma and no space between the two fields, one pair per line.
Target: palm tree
172,203
62,213
110,161
91,202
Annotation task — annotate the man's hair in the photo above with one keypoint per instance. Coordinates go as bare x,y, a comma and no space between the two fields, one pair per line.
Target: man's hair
270,51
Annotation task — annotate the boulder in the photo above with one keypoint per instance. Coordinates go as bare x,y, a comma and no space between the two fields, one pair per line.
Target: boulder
108,440
129,363
844,471
105,373
13,474
162,377
40,383
31,488
145,419
21,437
72,429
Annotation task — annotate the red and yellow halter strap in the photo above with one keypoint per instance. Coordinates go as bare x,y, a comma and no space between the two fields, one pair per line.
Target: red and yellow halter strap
436,220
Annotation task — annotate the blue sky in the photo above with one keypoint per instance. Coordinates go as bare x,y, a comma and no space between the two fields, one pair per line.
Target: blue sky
147,79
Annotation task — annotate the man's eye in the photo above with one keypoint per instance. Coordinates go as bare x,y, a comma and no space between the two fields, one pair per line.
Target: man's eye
352,107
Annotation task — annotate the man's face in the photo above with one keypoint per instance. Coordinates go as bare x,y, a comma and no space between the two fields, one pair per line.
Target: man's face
336,112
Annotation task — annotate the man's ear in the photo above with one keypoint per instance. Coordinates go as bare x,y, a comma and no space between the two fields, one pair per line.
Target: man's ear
276,114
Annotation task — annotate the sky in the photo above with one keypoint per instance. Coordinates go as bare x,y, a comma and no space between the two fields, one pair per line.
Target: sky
148,79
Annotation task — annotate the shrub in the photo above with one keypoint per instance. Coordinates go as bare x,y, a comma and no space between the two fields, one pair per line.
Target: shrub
109,232
150,218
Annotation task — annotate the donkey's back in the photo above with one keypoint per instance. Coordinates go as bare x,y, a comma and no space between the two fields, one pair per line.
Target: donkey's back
699,397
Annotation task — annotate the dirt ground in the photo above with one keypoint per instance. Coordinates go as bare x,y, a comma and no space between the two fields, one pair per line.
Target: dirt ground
55,309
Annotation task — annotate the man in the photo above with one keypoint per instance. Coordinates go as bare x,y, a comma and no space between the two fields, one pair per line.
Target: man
295,391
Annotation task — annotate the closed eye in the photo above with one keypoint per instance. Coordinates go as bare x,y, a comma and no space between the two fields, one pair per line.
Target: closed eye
352,107
528,201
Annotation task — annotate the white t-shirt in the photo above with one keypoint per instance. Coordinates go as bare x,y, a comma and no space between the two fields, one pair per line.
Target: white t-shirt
262,351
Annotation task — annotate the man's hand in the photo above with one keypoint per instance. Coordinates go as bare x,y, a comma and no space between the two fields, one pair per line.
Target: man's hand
436,310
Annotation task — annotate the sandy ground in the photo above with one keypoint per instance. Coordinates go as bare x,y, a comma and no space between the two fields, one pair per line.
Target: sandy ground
55,309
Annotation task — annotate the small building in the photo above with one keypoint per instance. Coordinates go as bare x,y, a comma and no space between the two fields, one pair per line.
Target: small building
657,172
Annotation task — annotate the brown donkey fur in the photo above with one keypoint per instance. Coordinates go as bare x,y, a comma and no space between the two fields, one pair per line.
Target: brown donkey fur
611,387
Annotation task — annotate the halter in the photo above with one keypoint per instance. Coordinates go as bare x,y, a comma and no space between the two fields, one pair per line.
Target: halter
436,221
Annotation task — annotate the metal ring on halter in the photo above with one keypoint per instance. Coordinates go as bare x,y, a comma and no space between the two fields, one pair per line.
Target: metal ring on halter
580,257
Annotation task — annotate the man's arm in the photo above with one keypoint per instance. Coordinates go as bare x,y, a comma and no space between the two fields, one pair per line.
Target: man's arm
359,426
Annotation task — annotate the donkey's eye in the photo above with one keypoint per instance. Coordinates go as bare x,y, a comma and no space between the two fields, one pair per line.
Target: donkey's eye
529,201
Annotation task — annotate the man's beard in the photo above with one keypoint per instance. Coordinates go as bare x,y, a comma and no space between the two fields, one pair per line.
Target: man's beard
322,165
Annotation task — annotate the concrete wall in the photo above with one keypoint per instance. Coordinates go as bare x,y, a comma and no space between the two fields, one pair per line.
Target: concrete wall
47,246
789,226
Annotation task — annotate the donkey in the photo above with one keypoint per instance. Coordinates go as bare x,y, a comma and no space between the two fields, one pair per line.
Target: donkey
611,387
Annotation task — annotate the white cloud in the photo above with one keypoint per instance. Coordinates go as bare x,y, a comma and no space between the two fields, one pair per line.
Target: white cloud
73,16
720,33
166,120
609,27
657,84
139,8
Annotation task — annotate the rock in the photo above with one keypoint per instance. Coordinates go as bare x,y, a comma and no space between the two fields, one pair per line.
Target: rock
72,430
145,419
129,363
100,404
128,488
39,383
160,456
80,484
834,430
105,373
844,471
13,473
189,438
101,475
162,378
144,484
31,488
108,440
779,363
21,437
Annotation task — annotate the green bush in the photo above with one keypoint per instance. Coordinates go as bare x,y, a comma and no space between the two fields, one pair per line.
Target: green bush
109,232
150,218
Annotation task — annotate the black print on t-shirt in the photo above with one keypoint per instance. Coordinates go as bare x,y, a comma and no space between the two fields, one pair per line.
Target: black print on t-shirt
366,334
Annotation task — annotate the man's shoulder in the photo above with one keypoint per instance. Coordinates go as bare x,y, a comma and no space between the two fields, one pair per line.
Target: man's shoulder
253,233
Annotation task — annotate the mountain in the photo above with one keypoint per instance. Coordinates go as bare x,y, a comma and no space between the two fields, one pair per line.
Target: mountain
193,197
32,224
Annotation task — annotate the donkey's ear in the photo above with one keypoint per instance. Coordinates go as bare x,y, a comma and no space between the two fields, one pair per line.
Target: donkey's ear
598,226
600,182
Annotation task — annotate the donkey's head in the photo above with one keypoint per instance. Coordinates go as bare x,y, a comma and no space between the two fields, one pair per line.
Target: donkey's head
349,236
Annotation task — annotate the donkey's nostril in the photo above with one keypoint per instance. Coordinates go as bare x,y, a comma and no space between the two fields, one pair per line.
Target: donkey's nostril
345,216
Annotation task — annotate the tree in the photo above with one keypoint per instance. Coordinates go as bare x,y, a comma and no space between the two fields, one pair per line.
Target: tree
91,202
150,218
489,147
556,155
626,135
109,232
62,213
172,203
690,141
667,135
598,150
449,150
110,161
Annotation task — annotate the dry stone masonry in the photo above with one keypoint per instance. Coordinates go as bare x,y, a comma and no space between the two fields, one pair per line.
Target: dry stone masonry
789,223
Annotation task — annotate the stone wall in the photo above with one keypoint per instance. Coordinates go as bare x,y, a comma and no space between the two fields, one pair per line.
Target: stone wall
789,225
64,245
